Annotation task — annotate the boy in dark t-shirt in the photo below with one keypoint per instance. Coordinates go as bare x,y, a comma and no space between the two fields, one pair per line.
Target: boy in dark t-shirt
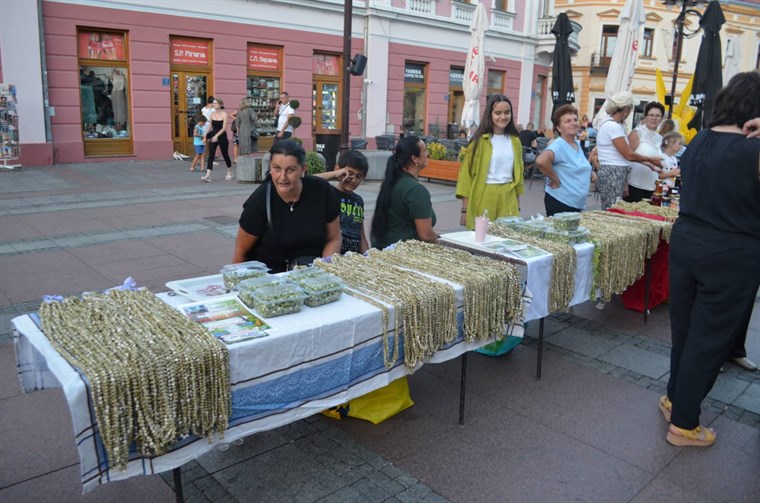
350,171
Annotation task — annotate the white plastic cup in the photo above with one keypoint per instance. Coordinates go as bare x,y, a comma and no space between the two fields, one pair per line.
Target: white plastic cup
481,229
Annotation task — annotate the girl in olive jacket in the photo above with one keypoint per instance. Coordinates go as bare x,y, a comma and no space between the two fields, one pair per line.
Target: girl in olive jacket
491,175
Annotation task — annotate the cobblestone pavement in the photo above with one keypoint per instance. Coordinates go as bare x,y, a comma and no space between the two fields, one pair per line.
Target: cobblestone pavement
588,431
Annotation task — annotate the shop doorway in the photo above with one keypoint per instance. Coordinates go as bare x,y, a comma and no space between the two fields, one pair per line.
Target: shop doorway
189,92
326,119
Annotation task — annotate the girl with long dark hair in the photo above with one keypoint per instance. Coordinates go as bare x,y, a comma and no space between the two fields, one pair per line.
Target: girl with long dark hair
491,176
404,209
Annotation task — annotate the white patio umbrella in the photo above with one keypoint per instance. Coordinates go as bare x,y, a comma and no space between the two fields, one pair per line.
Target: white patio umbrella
474,69
623,63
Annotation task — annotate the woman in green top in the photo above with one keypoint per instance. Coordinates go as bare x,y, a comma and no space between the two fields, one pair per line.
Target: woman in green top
404,209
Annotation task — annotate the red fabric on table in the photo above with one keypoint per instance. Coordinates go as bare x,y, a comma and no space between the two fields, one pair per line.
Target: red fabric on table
659,287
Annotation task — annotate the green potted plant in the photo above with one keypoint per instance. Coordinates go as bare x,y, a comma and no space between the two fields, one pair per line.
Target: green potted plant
294,120
442,163
315,163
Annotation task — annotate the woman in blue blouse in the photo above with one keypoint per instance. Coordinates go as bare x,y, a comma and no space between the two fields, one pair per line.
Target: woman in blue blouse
567,170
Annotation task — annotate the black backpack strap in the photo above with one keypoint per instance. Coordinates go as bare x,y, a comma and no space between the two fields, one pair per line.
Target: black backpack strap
269,208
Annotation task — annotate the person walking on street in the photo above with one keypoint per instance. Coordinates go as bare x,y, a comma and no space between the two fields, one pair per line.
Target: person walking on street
198,142
245,120
284,112
217,136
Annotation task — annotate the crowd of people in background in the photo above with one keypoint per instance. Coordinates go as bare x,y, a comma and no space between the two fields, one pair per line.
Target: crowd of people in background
293,218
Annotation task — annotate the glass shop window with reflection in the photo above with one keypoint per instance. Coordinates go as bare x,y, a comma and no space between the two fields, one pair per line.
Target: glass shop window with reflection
103,85
103,92
413,121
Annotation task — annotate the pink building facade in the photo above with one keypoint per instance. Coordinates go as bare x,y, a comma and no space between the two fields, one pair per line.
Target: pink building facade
128,82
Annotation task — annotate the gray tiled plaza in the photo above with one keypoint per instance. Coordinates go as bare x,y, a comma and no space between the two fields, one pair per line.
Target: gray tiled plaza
638,360
589,430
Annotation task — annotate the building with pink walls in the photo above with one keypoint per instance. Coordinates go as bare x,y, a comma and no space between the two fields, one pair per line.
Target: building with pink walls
126,79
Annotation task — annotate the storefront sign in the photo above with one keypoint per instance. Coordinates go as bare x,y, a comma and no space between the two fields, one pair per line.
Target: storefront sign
188,51
98,45
456,76
325,64
414,73
263,58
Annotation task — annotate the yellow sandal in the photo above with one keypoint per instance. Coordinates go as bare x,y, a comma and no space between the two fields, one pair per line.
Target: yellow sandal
666,407
698,437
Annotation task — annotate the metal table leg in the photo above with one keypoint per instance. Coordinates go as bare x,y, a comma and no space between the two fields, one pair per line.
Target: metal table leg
178,496
462,389
540,348
647,285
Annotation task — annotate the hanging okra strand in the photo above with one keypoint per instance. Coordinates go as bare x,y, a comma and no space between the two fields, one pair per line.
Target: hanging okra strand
154,375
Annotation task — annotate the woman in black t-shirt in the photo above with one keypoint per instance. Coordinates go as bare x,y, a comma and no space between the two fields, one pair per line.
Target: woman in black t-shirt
714,263
292,218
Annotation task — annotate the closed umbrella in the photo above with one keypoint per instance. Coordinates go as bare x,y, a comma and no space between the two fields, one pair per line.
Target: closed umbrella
708,74
474,68
623,62
733,59
562,71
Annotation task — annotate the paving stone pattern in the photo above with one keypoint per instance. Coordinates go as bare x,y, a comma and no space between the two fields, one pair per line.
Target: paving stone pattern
104,220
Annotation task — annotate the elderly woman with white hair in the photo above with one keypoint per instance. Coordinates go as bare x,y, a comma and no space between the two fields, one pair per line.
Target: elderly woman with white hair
614,152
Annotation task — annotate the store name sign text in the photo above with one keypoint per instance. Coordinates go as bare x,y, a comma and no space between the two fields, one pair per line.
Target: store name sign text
263,58
189,52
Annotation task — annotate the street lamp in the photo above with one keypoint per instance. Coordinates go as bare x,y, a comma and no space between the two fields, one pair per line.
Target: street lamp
685,4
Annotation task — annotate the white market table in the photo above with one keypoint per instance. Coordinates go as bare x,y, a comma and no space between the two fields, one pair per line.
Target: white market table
536,273
310,361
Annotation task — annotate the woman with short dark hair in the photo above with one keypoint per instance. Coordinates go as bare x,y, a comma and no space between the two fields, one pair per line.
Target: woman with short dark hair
567,170
714,255
403,209
290,219
645,140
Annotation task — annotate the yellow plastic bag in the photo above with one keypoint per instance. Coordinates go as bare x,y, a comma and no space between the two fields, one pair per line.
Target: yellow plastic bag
377,406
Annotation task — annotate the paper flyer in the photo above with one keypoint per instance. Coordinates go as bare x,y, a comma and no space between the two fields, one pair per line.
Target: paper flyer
227,319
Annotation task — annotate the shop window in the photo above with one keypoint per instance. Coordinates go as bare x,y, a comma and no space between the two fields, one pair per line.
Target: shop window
104,92
413,120
646,51
263,89
495,82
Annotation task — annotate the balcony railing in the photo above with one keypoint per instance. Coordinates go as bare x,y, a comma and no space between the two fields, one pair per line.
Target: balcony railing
426,7
599,63
501,20
462,12
546,39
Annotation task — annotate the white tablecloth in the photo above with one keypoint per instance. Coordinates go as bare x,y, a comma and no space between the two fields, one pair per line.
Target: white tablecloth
310,361
536,271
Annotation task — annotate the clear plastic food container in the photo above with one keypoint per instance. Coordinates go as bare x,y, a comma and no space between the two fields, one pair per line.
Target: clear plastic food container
296,275
566,221
248,286
235,273
321,289
277,300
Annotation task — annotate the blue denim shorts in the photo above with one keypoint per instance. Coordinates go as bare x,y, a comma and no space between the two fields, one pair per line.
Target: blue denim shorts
199,149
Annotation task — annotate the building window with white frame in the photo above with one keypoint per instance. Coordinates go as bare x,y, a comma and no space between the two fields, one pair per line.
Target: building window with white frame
648,43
